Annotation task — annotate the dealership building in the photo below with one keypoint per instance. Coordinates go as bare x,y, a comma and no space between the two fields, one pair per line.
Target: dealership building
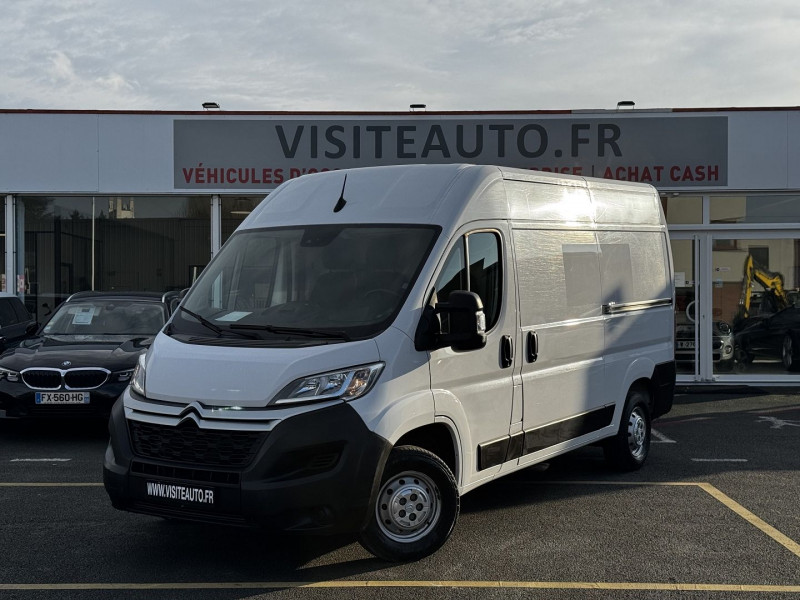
111,200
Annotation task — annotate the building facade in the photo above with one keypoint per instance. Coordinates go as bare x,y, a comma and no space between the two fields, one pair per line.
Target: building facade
143,200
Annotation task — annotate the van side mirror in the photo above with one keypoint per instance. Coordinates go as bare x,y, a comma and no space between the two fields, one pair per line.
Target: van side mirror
459,323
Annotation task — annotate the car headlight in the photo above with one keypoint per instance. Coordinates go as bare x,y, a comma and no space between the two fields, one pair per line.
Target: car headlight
137,380
124,375
8,374
346,384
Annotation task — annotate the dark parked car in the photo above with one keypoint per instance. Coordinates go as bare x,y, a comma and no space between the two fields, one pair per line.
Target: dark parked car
775,336
82,358
16,323
722,344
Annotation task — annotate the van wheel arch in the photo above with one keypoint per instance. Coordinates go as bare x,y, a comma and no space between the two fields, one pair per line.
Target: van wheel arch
436,438
646,387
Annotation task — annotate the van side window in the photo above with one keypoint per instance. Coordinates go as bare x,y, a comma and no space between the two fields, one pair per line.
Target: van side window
634,266
484,276
559,275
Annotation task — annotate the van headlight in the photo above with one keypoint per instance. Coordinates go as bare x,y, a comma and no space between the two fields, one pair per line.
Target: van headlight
346,384
137,380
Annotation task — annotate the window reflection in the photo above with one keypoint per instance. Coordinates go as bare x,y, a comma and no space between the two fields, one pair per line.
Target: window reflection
755,209
756,291
77,243
681,210
234,211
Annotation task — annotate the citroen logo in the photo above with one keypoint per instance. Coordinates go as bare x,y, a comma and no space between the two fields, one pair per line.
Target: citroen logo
66,363
190,414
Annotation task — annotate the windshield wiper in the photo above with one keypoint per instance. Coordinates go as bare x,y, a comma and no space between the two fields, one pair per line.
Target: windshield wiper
318,333
215,328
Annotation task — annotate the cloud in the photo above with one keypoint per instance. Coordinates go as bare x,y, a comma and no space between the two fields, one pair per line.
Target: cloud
361,55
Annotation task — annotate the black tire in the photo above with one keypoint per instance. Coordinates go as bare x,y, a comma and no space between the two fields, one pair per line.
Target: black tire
742,356
788,352
395,533
628,449
725,366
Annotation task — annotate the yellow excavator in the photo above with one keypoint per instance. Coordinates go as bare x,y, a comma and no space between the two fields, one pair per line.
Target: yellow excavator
774,298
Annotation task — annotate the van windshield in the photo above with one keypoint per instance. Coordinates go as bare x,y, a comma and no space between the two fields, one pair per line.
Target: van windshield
304,285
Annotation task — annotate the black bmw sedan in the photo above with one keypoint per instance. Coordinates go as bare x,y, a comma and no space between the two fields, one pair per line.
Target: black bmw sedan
83,357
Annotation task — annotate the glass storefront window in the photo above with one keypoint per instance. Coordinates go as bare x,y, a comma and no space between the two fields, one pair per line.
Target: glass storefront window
143,243
755,209
681,210
234,211
756,303
4,287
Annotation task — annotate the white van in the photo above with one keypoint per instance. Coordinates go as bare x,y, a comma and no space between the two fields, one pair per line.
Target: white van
373,343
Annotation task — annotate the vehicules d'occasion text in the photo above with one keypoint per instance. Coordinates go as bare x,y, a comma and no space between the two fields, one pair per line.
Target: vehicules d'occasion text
372,344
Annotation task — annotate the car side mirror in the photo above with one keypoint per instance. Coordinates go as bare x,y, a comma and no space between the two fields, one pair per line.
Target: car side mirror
459,323
31,328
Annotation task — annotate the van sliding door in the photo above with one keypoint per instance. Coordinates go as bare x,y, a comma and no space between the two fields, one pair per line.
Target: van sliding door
560,313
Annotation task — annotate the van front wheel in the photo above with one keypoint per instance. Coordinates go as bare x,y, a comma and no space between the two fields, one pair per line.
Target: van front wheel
628,449
416,508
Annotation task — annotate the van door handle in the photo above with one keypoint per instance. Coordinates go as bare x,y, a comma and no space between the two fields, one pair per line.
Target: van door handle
506,352
532,346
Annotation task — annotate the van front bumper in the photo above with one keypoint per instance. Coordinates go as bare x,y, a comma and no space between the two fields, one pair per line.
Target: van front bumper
314,472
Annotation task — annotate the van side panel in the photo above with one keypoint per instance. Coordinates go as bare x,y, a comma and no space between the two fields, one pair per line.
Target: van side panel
634,267
562,329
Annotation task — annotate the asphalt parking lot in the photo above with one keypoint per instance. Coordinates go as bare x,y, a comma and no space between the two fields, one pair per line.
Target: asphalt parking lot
715,513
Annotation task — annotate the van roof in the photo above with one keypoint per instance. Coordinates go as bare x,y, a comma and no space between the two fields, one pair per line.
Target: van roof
432,194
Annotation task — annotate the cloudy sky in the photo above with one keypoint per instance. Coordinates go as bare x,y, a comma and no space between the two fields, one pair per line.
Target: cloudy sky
381,55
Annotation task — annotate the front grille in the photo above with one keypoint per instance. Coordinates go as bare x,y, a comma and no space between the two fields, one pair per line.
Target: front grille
72,379
42,379
85,379
186,474
189,444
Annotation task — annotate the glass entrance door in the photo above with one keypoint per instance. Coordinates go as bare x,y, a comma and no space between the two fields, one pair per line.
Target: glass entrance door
737,306
755,289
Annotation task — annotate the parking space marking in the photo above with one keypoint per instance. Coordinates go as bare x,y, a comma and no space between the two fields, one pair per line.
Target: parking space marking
14,460
738,460
691,420
748,516
660,438
776,423
715,493
47,484
345,584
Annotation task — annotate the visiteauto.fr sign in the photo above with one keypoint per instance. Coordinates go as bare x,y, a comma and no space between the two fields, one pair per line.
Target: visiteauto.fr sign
670,152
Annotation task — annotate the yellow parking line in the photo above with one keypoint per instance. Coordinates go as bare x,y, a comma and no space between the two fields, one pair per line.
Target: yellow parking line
740,510
715,493
542,585
727,501
45,484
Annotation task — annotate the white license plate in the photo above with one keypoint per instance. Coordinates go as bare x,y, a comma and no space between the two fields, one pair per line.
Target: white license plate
62,397
686,345
182,493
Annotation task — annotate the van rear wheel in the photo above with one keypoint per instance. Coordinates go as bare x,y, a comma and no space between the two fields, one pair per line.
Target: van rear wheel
416,508
628,449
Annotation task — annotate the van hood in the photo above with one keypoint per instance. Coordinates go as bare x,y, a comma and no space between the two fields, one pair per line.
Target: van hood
246,377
